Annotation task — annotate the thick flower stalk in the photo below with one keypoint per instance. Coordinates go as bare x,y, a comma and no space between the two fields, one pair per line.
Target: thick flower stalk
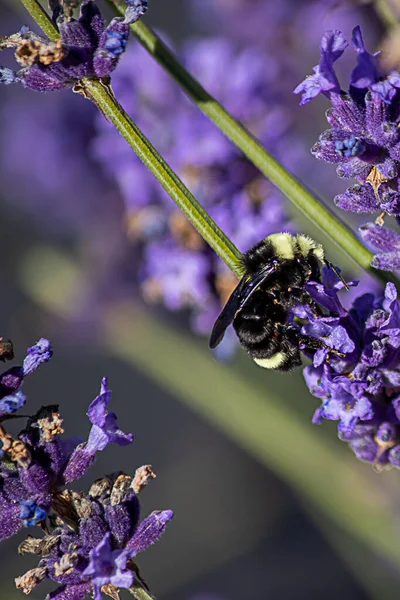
90,539
364,139
85,49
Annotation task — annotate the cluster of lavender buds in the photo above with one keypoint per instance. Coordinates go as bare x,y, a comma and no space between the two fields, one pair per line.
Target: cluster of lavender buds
359,382
364,138
89,540
86,48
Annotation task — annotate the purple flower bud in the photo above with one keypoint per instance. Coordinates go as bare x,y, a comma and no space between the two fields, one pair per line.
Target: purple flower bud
31,514
10,404
7,76
40,353
150,530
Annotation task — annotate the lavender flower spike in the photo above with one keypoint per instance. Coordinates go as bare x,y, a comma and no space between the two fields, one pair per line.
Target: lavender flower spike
86,48
364,135
150,530
324,79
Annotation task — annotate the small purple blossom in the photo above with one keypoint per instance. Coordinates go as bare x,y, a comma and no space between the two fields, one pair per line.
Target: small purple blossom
40,353
108,566
104,431
324,79
86,48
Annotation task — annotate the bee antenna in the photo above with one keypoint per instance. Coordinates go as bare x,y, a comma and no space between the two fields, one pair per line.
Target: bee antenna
337,273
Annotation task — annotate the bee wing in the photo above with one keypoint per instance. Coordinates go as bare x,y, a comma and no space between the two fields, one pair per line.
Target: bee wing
256,281
227,315
240,295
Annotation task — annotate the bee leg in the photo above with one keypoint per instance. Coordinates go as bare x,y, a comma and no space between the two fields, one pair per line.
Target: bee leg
314,344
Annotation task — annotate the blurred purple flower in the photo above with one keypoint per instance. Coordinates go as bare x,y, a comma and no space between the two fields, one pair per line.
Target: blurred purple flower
222,179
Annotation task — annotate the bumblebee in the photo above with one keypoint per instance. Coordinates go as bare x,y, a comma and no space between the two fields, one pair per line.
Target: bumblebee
276,271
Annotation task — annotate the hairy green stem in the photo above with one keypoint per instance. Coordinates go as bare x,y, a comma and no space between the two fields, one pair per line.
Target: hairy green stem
204,224
139,592
102,96
41,17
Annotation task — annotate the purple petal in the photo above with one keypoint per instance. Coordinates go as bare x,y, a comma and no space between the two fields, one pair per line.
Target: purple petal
379,237
358,199
387,261
366,72
150,530
10,522
324,79
97,409
10,404
71,592
40,353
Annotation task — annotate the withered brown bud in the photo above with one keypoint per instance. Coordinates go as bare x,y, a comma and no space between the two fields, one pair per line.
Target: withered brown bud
101,488
120,487
111,590
6,350
142,477
66,564
33,51
38,546
50,426
31,579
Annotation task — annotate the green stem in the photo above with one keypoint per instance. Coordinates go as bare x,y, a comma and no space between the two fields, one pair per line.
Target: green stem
41,17
201,220
102,96
140,593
